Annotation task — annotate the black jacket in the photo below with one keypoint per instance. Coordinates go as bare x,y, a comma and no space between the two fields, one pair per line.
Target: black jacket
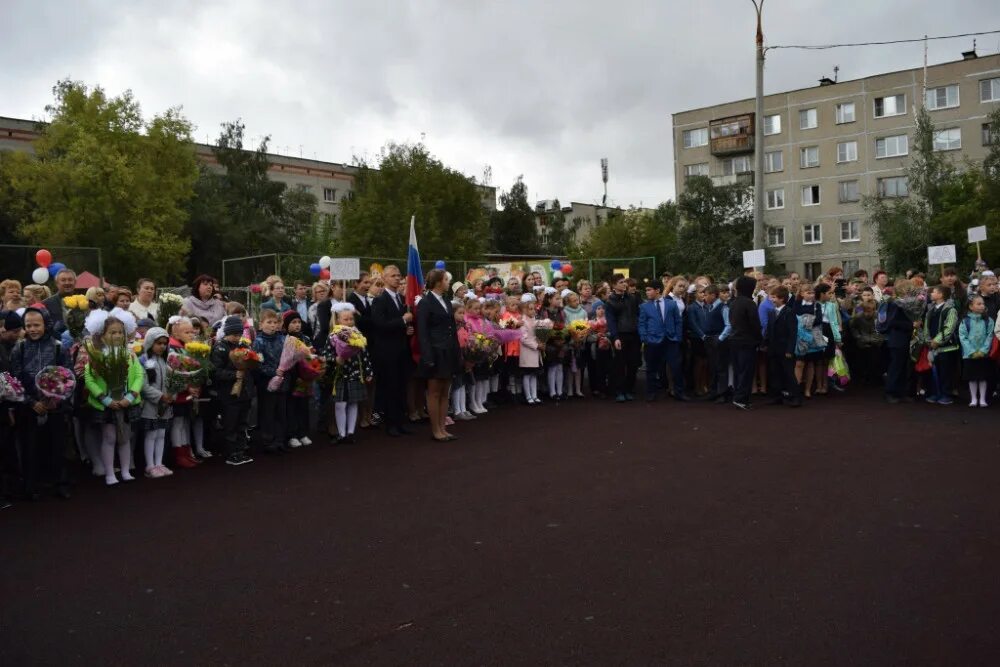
782,333
224,373
388,341
436,329
363,320
743,315
622,314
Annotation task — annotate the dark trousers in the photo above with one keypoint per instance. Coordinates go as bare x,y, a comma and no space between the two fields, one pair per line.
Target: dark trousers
298,416
673,357
898,375
945,364
392,377
602,367
625,364
781,382
655,355
8,451
744,361
868,365
271,417
235,420
43,448
718,366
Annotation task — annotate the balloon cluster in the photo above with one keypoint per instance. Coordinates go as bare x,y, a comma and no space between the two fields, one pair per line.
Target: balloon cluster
321,269
46,267
561,269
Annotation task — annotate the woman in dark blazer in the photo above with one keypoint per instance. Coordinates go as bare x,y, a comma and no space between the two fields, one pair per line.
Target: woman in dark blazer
439,354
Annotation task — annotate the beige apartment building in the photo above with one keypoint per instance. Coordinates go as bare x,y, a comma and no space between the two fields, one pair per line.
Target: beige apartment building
827,146
580,218
331,182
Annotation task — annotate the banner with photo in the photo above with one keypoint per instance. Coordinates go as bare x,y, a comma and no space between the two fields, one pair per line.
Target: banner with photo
505,270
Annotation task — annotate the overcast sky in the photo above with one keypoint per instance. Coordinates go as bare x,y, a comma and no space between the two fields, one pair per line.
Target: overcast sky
543,88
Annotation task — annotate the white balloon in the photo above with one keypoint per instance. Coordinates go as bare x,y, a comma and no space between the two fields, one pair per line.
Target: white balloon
557,274
325,261
40,276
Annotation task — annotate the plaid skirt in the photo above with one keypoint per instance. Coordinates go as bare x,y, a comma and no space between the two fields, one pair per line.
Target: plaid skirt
349,391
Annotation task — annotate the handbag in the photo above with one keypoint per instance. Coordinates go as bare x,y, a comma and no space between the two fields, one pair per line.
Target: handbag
923,360
995,349
838,370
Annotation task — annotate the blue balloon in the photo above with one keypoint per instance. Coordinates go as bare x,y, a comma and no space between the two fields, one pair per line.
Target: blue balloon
315,268
55,268
439,264
556,265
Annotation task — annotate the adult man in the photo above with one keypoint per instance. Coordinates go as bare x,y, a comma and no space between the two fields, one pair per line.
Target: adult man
661,329
744,340
301,303
622,314
65,286
392,327
362,303
782,334
709,322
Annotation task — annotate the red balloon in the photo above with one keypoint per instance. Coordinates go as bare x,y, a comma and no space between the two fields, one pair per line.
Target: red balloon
44,258
325,274
567,269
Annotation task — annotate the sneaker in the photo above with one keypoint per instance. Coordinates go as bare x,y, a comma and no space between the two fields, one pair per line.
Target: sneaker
629,397
153,472
465,416
306,441
620,398
294,443
238,459
945,401
479,411
982,404
203,454
932,399
974,404
742,406
165,471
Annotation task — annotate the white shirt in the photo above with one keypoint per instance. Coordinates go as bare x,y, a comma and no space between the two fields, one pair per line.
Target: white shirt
440,300
679,301
395,298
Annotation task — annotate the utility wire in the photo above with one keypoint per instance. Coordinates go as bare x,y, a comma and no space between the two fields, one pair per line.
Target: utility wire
819,47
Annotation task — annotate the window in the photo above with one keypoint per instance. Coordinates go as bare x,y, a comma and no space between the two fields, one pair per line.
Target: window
776,198
810,195
735,165
809,157
989,90
813,270
330,195
700,169
304,188
850,232
988,137
948,140
851,266
808,119
776,237
845,113
695,138
773,162
893,186
944,97
772,124
847,151
812,233
893,105
893,146
849,191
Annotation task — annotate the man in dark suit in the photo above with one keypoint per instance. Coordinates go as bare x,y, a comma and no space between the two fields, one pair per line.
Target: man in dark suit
65,286
782,334
392,327
362,303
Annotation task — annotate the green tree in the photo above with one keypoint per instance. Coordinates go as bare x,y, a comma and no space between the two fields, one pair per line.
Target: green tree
513,225
449,214
102,176
635,233
717,227
560,233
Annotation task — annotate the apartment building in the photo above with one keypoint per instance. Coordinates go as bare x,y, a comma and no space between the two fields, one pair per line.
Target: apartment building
827,146
331,182
580,218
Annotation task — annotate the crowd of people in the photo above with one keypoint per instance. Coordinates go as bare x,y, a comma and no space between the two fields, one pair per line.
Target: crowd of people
111,379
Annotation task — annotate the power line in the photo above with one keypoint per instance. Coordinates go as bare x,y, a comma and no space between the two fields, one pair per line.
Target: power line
818,47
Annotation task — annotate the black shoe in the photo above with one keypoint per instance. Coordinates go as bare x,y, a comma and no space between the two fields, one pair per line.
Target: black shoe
404,431
341,439
795,403
5,504
776,401
272,449
391,431
891,400
350,439
682,398
650,398
63,492
721,400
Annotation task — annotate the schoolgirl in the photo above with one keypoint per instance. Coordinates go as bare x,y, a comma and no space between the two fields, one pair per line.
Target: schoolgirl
351,377
529,357
975,334
157,403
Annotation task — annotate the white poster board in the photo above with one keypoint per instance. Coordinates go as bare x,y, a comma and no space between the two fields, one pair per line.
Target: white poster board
345,268
941,254
977,234
753,259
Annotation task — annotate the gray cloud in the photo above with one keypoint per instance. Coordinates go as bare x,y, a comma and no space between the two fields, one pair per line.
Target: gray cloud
543,89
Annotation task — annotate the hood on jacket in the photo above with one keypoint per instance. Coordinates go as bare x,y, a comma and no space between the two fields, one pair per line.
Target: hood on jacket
46,317
153,335
745,285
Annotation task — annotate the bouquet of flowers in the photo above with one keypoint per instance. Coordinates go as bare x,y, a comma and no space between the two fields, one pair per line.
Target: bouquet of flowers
170,305
559,334
292,353
480,348
77,308
184,372
10,389
55,384
347,341
599,328
111,363
543,329
509,323
579,330
200,352
245,360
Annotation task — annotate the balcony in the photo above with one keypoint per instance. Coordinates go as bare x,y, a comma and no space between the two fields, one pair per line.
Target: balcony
741,178
732,135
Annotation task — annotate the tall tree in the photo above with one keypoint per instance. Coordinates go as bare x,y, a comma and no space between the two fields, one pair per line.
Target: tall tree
717,228
102,176
513,227
451,223
560,234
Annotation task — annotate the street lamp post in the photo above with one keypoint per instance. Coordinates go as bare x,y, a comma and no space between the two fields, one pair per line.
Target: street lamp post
758,146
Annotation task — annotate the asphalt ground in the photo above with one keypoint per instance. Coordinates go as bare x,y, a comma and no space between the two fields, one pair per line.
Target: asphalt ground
849,532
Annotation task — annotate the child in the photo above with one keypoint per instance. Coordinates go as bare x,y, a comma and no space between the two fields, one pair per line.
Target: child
573,378
511,318
350,380
941,330
491,313
185,425
235,409
976,336
810,346
555,346
868,341
41,424
115,408
831,329
156,404
459,400
271,415
780,337
529,358
297,409
475,324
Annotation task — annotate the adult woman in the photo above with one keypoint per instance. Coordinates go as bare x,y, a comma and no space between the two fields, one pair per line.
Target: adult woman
124,298
586,292
202,302
439,359
9,291
277,301
320,293
95,295
145,305
36,293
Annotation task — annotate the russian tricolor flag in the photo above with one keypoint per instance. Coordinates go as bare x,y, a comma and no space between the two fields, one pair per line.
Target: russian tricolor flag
414,275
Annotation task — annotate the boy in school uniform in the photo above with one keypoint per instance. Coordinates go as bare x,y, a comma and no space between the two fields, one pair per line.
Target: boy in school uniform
782,333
